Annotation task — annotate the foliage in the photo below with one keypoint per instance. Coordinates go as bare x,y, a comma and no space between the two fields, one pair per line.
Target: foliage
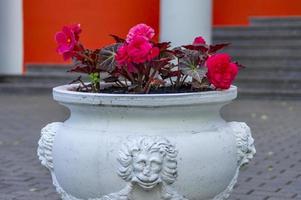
137,64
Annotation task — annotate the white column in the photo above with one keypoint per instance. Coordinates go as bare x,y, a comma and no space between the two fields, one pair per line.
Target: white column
182,20
11,37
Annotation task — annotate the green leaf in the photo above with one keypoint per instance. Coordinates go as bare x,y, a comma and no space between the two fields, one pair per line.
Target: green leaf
189,65
107,57
94,77
197,73
201,85
189,60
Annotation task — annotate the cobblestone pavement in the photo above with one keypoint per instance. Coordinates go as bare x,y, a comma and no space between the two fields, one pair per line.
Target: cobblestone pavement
275,173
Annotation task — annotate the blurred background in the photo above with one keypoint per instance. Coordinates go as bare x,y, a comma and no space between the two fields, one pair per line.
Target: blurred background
265,37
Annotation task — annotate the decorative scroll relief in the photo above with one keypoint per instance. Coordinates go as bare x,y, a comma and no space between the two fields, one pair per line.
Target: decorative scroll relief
245,152
46,143
244,141
148,163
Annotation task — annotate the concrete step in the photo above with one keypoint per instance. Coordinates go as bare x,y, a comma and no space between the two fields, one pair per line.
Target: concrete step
38,78
270,73
263,93
47,68
269,68
269,83
275,21
34,83
269,61
259,42
264,51
257,32
28,88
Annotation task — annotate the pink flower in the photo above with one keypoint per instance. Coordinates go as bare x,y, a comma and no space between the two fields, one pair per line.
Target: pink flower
139,50
154,52
124,60
140,30
122,57
76,30
199,40
67,39
221,71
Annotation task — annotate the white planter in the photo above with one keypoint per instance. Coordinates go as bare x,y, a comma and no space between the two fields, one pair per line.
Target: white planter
145,147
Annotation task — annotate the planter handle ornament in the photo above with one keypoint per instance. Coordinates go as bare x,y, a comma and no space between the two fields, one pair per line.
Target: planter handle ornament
245,152
244,141
46,143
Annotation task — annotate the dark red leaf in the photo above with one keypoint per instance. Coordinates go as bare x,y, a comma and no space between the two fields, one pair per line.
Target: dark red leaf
117,39
162,45
216,47
178,52
110,79
158,64
84,69
239,65
200,47
107,57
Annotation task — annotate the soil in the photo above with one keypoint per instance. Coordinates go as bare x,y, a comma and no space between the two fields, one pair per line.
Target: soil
160,90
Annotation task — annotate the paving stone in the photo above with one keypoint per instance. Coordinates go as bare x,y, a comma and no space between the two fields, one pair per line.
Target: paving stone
274,174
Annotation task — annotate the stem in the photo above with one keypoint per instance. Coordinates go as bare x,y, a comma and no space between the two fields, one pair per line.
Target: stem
121,84
84,85
97,87
171,81
85,56
140,81
147,86
178,81
184,79
130,75
117,84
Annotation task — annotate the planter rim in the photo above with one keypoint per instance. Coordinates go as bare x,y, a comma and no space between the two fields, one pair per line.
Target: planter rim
66,94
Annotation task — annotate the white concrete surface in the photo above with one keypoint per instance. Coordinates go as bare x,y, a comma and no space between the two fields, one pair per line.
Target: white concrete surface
182,20
11,36
144,146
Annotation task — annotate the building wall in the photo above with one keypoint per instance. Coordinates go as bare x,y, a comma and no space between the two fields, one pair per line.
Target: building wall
99,18
237,12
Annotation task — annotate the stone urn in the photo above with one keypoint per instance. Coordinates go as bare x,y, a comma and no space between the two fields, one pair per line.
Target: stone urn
145,146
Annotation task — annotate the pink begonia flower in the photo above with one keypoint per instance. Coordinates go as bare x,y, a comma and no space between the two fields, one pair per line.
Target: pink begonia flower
124,60
67,40
221,71
199,40
76,29
122,56
139,50
140,30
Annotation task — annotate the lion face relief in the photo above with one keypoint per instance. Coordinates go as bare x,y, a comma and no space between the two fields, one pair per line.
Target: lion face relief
148,161
146,169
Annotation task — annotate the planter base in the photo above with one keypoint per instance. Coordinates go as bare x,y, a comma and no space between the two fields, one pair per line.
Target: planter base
245,146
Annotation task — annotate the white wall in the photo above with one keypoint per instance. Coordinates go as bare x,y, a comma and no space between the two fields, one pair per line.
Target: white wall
182,20
11,36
